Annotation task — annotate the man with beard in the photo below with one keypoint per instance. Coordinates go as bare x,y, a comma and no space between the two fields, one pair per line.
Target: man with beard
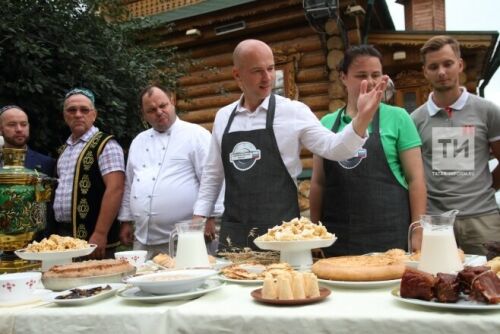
15,128
459,131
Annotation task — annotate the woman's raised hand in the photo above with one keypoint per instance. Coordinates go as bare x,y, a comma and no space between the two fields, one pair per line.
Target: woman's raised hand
368,102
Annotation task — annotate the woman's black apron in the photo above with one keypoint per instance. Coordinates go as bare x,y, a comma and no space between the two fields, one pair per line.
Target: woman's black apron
363,202
260,193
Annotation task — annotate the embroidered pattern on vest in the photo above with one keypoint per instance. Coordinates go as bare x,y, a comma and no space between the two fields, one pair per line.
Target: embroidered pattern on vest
85,184
82,185
81,232
88,160
83,208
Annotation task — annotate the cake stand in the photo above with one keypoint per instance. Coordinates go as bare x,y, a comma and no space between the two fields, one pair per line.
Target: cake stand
297,253
53,258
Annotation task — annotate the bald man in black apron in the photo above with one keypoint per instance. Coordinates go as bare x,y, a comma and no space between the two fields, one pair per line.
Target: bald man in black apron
256,143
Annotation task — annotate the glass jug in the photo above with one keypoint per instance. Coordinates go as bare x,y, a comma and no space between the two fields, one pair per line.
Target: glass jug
439,247
191,249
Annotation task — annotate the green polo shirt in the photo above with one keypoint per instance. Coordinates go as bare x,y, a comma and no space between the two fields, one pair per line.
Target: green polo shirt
397,132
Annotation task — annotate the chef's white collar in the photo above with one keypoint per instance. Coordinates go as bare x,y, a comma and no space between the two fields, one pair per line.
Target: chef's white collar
168,132
457,105
263,106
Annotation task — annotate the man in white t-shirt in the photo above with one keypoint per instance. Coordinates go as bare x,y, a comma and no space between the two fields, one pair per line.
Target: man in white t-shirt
163,173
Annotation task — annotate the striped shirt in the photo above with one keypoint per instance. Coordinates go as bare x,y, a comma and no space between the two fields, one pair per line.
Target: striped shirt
110,160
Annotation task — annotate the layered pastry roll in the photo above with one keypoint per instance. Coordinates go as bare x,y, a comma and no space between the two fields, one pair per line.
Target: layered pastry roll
269,290
284,288
311,287
298,286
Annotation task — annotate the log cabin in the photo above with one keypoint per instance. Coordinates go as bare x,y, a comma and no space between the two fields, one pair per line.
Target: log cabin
308,38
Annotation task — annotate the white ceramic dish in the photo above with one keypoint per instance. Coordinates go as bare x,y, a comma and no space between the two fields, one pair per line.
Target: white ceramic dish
134,257
173,281
239,281
297,253
85,300
37,296
50,259
461,305
362,284
469,260
18,287
60,284
221,263
136,294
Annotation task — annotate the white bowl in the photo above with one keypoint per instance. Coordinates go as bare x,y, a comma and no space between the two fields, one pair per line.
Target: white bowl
18,286
174,281
134,257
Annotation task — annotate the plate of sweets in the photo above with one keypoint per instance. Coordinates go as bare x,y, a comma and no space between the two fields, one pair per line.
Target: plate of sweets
251,272
290,288
55,250
86,294
473,288
295,239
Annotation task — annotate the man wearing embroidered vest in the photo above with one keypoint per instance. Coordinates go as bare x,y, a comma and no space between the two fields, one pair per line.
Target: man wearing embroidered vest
256,143
458,131
91,172
163,173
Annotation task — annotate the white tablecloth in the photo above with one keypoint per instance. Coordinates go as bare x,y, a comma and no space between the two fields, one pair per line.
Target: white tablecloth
232,310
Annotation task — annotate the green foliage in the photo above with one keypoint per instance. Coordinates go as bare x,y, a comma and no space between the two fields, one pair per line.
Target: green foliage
50,46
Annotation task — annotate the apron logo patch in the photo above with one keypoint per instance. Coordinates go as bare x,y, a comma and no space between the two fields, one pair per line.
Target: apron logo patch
354,161
244,156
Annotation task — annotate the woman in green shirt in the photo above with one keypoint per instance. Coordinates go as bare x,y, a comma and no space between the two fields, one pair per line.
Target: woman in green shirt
369,201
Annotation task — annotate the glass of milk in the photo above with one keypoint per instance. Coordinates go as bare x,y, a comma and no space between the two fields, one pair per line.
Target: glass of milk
191,249
439,247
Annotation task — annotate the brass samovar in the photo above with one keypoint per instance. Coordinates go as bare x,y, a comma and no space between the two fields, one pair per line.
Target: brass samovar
24,194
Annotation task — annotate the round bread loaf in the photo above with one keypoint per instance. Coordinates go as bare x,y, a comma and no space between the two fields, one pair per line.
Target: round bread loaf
379,267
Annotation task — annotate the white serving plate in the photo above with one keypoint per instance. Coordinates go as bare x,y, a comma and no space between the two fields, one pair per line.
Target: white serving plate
297,253
53,258
460,305
136,294
63,283
294,245
153,284
361,284
85,300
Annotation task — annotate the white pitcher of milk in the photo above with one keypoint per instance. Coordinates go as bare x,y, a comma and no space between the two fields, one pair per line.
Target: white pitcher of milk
191,249
439,247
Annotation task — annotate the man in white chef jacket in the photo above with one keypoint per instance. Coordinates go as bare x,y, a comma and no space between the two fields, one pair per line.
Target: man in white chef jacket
163,173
